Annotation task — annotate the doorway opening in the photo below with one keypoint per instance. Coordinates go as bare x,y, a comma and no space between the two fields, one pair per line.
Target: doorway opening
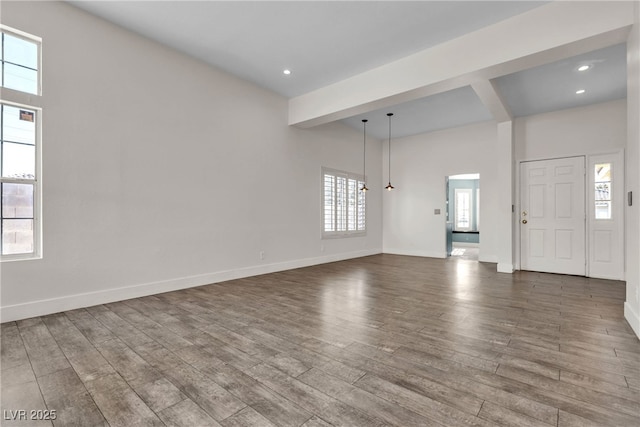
463,216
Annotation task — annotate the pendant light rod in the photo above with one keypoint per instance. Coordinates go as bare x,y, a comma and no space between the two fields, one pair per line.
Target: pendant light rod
364,155
389,187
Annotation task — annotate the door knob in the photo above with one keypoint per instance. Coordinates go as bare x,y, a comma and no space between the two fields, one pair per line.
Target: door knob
524,221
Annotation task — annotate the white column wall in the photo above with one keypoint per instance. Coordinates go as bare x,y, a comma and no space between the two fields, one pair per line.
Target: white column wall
504,186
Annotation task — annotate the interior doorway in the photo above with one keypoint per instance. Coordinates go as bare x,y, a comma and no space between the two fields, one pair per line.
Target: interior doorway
463,216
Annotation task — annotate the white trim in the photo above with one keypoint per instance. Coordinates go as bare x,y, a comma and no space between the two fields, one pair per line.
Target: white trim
8,29
632,317
425,254
493,259
430,254
505,268
466,176
71,302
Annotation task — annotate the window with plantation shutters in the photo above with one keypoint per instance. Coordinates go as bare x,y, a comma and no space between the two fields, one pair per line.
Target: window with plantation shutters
343,204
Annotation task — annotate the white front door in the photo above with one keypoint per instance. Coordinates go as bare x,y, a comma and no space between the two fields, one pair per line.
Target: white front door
552,216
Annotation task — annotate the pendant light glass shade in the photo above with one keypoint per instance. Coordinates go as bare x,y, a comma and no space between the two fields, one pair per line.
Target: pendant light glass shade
364,156
389,187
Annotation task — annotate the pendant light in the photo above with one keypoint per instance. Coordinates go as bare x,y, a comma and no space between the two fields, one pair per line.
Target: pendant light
389,187
364,155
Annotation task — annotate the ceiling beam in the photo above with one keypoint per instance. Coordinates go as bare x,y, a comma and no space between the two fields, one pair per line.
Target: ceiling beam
545,34
491,98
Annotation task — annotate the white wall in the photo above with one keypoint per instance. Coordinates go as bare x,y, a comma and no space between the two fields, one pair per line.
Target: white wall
593,129
419,165
632,304
160,172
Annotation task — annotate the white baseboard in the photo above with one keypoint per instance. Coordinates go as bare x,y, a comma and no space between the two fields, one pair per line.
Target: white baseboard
505,268
426,254
619,277
632,317
488,258
71,302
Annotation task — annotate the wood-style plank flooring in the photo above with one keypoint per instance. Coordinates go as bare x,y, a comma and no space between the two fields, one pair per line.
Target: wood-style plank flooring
380,340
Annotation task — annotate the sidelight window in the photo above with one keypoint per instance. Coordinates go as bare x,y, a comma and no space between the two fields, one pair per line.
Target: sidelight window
602,191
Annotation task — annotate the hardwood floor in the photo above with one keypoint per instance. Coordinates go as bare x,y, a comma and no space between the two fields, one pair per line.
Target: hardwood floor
380,340
465,252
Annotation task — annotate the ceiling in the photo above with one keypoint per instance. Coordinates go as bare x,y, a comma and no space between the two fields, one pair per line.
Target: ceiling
323,42
541,89
553,86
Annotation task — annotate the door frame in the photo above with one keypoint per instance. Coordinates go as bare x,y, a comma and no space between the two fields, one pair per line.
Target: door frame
517,216
450,221
517,206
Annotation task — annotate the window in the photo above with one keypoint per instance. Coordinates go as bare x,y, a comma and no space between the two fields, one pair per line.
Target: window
19,140
20,145
20,59
343,204
463,209
602,190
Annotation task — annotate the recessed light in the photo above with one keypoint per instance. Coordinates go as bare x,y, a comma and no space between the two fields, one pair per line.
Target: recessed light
580,91
584,67
286,72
